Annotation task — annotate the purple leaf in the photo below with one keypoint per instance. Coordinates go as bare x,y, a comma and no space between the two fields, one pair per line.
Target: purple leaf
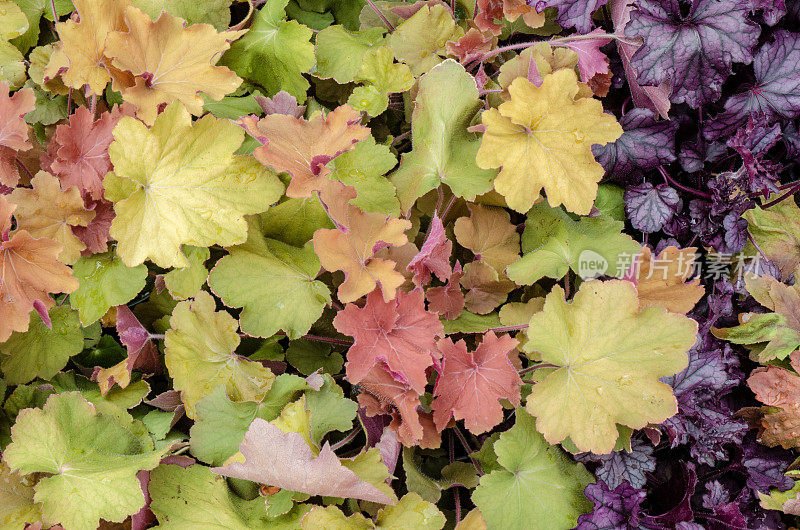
772,10
646,144
650,207
696,50
576,13
613,509
775,92
620,467
765,466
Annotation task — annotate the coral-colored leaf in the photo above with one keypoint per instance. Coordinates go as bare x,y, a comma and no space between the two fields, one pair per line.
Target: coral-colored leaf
471,384
662,280
13,131
47,211
400,333
434,256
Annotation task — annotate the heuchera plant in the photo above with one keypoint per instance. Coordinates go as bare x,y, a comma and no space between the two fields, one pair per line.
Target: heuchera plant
472,264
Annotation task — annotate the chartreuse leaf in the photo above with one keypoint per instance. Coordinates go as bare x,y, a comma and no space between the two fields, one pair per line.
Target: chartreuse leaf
330,410
189,189
603,377
13,22
274,283
421,40
89,460
17,506
554,243
409,512
364,168
776,231
200,355
184,283
537,485
274,53
543,138
340,52
105,282
381,76
770,335
345,12
214,12
194,497
182,192
443,149
12,65
42,351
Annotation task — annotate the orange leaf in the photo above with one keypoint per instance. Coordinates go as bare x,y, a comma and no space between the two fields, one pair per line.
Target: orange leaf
303,147
171,62
29,271
662,281
351,246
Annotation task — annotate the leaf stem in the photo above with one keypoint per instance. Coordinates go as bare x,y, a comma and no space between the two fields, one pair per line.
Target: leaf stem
789,193
468,449
381,15
53,9
687,189
536,367
508,328
347,439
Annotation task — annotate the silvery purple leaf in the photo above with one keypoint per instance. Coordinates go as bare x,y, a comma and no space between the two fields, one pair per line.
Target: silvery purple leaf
650,207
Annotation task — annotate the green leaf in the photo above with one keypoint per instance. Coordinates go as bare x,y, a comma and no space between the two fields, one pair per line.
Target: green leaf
538,485
222,423
194,497
309,356
443,149
199,355
232,107
430,488
274,283
340,52
42,351
330,410
274,53
364,168
345,12
776,231
183,283
468,322
420,41
12,65
34,10
554,243
13,22
294,221
214,12
105,282
49,108
91,461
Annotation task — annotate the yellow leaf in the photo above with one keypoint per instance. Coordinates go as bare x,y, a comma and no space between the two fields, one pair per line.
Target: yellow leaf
46,211
542,138
171,62
547,59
